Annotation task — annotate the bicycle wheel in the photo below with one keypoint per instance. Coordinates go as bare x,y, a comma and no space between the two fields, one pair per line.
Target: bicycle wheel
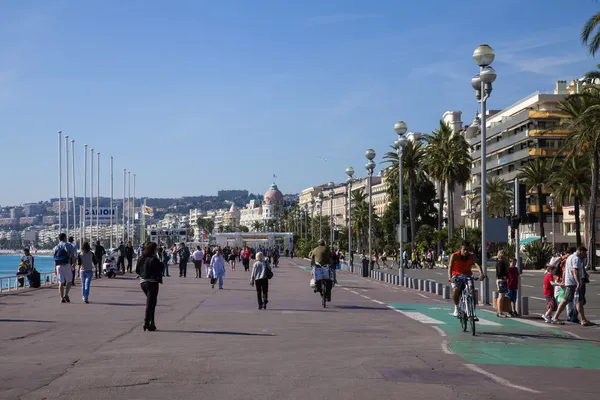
324,293
471,314
463,320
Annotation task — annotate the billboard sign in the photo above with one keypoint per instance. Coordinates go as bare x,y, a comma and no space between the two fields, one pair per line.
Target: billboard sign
103,214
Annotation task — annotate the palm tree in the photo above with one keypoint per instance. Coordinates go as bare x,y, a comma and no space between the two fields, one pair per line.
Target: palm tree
590,34
572,184
360,215
536,175
583,122
412,164
448,161
256,226
499,197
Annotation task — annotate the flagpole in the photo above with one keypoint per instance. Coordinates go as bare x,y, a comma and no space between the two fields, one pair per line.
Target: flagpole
133,232
124,182
92,198
67,185
97,198
59,181
111,203
129,205
85,164
73,171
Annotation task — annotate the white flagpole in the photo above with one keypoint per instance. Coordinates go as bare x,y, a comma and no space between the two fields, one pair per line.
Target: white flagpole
67,185
73,172
97,198
111,203
85,164
92,197
59,181
133,232
124,193
129,205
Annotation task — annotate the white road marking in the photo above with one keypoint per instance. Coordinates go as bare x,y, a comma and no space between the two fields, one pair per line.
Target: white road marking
484,322
352,291
439,273
445,347
377,301
526,321
417,316
537,298
366,297
422,295
522,284
439,330
345,288
364,290
499,380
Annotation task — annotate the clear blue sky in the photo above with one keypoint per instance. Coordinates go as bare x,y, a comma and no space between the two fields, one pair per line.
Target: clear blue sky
197,96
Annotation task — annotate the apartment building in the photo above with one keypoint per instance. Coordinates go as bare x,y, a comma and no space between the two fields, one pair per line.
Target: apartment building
521,132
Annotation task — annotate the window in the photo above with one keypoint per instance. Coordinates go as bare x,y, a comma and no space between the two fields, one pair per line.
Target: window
511,167
510,151
598,224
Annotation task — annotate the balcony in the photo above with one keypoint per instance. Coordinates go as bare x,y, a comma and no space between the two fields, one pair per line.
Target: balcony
533,208
548,132
544,152
546,114
510,141
496,161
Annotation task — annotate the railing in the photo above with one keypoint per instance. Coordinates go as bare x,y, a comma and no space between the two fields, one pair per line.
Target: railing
9,283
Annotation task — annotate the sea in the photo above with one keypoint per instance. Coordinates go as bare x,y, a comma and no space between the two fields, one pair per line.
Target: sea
9,265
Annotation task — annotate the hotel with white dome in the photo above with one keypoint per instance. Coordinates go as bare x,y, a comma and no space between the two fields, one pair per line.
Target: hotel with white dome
269,210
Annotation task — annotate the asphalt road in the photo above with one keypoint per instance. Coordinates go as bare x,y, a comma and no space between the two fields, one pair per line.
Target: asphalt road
374,341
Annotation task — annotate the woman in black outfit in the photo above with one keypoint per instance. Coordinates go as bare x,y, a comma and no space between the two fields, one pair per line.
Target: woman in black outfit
149,269
129,255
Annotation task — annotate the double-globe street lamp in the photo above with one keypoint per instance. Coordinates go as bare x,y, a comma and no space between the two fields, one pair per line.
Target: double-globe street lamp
350,173
331,187
370,166
400,128
552,205
482,83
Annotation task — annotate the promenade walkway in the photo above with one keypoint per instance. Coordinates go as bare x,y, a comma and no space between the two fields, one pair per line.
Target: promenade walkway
375,341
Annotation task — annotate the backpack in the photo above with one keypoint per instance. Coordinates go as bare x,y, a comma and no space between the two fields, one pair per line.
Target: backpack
61,255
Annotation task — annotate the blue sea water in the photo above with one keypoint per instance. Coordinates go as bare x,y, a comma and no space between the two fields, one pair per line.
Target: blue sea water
10,264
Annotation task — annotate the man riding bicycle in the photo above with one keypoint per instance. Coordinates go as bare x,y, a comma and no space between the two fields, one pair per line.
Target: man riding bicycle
321,257
460,269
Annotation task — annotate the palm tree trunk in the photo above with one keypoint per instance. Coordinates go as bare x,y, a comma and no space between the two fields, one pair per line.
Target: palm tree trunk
440,216
592,210
541,211
411,213
450,211
577,221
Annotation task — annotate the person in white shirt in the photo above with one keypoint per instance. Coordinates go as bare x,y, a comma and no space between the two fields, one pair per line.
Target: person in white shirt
573,276
217,264
197,257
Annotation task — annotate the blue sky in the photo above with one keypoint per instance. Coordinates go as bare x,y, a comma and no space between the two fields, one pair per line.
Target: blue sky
197,96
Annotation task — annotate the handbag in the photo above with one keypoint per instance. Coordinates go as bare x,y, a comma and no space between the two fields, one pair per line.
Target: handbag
269,273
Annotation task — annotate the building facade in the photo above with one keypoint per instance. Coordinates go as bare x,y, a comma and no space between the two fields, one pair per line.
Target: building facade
256,214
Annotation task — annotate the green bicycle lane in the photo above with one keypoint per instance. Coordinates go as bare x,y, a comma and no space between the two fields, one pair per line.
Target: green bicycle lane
506,341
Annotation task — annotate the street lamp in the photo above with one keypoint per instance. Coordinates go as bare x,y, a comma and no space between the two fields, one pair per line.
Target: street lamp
312,219
305,223
331,187
320,215
370,166
482,83
350,173
552,205
400,128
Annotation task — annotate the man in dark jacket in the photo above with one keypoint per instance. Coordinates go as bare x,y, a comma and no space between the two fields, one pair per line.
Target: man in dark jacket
184,256
99,252
121,259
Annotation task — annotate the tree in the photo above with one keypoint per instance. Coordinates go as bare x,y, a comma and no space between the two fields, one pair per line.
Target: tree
499,198
412,164
536,175
243,228
360,216
571,183
583,122
256,226
590,34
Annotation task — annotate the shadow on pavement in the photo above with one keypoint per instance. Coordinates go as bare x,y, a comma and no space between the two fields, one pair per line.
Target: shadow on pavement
122,304
27,320
534,336
216,332
382,308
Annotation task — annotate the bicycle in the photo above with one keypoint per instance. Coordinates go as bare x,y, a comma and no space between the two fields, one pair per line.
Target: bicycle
466,304
324,275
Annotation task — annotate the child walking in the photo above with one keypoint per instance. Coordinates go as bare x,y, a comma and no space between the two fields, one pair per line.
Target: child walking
513,286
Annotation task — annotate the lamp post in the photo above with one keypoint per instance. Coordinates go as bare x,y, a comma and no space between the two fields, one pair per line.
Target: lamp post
320,215
482,83
350,173
400,128
313,205
370,166
305,212
552,205
331,187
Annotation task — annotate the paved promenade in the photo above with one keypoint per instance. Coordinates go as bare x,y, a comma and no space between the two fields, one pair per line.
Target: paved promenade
375,341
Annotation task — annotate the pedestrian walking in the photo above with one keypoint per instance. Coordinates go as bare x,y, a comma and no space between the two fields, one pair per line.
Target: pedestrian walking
261,273
121,258
550,282
75,253
232,257
217,263
149,269
99,253
513,286
246,258
129,256
207,258
86,261
163,256
197,259
184,257
501,282
63,262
